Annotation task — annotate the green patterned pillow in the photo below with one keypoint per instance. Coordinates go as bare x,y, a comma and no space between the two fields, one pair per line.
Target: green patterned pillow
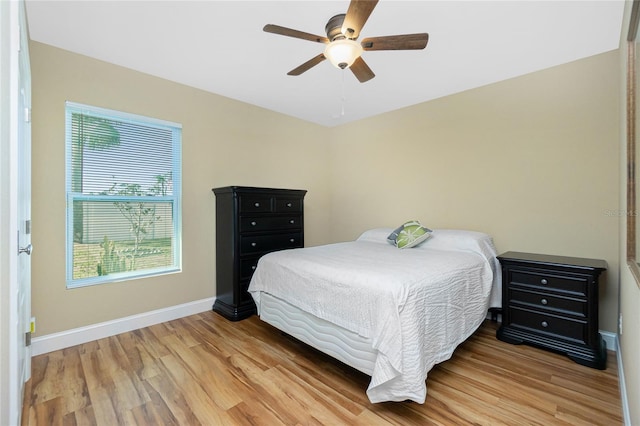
391,239
412,234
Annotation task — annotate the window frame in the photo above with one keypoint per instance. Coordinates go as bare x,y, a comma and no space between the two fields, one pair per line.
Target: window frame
175,198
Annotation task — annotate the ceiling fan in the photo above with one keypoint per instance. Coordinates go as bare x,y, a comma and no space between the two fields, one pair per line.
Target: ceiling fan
342,49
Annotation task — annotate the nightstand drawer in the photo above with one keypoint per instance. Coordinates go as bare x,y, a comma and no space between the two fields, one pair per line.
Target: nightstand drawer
560,327
549,302
575,285
266,223
263,243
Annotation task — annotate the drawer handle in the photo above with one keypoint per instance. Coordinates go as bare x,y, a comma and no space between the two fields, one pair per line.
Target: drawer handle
253,223
253,267
544,324
257,204
292,240
289,204
544,301
544,281
292,221
254,244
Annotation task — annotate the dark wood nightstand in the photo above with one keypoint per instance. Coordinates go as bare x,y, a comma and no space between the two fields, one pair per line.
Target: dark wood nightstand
552,302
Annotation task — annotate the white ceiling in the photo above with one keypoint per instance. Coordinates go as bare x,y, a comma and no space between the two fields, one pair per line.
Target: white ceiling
219,46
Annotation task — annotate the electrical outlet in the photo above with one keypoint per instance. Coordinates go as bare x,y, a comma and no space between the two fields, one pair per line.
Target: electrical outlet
620,325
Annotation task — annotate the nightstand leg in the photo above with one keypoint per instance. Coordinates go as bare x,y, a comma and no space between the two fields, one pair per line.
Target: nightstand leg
504,335
494,313
594,358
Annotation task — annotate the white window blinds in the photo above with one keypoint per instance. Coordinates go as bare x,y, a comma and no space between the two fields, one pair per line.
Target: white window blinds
123,195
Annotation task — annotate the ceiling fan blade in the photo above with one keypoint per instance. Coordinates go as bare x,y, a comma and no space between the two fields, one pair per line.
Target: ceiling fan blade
356,17
307,65
277,29
396,42
361,70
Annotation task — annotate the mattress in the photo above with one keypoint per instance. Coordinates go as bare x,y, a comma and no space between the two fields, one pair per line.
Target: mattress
344,345
410,307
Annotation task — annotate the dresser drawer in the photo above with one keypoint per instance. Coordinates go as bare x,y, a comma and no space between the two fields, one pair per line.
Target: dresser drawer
262,243
549,302
267,223
288,204
255,203
575,285
560,327
248,266
244,295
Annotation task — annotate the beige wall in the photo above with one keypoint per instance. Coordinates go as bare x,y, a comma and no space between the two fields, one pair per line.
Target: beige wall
224,143
533,161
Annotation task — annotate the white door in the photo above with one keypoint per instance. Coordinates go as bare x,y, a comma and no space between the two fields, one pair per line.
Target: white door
19,210
24,202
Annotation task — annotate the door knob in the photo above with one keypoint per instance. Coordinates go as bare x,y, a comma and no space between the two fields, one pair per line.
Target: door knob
26,249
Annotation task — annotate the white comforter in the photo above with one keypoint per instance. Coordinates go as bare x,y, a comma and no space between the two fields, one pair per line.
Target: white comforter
416,305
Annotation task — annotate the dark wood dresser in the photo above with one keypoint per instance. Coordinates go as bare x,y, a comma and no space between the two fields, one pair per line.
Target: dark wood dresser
552,302
251,222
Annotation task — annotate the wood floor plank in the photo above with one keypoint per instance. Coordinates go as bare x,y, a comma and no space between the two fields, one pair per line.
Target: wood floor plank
350,399
82,417
367,418
104,374
205,370
219,391
310,399
170,400
199,402
273,397
104,409
253,413
49,412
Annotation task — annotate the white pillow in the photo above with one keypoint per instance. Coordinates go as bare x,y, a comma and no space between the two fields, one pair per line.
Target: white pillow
456,239
441,239
376,235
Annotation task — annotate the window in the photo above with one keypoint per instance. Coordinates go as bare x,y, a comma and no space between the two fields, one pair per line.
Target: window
123,180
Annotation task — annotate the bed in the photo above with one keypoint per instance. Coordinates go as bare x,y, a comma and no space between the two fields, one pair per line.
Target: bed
390,313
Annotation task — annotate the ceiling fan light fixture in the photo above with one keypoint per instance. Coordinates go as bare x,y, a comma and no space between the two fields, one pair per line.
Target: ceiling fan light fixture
343,52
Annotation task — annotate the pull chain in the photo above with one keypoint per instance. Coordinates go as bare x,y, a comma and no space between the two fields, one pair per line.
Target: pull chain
343,97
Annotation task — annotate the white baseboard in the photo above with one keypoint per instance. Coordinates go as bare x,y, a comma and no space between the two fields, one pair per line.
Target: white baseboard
77,336
613,344
611,339
626,414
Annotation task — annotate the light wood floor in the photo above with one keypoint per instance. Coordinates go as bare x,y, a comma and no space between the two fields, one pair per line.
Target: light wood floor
203,369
